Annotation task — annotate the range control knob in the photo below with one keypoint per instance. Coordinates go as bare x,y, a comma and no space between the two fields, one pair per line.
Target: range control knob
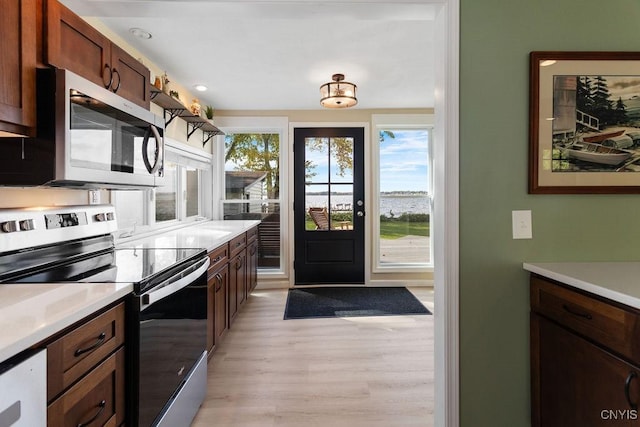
9,226
101,217
26,225
110,216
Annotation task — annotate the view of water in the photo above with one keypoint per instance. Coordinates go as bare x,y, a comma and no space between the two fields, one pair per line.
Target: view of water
396,204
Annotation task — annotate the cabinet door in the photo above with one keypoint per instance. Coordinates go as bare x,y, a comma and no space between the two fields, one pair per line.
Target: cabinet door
252,266
97,399
131,79
237,290
221,301
576,383
211,313
73,44
18,66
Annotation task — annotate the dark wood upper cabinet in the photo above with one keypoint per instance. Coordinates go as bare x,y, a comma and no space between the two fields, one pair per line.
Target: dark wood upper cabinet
71,43
18,66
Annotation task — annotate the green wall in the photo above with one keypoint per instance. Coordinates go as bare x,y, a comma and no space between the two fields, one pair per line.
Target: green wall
496,38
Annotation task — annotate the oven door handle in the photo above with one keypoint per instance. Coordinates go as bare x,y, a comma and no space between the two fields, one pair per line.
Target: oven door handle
174,284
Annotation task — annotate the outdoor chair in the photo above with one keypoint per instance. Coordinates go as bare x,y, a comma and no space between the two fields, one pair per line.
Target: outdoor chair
321,219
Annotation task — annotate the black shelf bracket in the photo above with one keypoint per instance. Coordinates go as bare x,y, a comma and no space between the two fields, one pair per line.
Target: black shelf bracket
194,127
207,135
173,113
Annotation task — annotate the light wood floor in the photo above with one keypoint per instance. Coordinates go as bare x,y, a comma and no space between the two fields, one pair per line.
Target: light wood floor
357,371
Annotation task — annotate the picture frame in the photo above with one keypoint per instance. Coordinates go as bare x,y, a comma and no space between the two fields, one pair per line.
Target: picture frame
584,122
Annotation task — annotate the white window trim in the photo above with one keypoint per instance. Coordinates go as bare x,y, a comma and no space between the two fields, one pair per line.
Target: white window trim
393,122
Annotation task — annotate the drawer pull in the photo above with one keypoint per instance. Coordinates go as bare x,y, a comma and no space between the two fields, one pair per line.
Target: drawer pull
568,309
98,343
101,406
627,386
218,258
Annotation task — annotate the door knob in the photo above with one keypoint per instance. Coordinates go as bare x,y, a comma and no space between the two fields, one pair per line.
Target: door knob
360,213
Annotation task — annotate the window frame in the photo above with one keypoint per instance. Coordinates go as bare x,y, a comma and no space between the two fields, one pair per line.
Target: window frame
392,122
274,125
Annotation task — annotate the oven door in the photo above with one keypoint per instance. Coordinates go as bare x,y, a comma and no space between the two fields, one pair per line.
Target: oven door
170,339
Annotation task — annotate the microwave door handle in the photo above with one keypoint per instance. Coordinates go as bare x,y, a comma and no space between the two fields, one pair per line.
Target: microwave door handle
159,149
172,286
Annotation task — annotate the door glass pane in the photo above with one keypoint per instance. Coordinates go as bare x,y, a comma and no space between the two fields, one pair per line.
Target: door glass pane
316,155
404,216
316,201
341,155
341,211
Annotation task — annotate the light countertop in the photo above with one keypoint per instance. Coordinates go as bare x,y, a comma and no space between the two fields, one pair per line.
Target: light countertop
617,281
30,313
206,234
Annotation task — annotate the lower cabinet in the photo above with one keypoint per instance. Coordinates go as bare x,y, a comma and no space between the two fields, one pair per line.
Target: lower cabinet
585,369
252,265
221,291
97,399
86,372
237,283
232,275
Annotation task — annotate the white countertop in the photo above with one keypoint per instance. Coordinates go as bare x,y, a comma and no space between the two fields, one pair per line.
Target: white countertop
206,234
618,281
30,313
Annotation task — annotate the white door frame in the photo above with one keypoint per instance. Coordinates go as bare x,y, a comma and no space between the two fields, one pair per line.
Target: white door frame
446,215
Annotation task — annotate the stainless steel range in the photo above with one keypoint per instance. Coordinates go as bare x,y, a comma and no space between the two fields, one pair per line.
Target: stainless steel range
166,314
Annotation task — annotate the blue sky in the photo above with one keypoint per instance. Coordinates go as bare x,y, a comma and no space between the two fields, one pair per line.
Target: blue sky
403,161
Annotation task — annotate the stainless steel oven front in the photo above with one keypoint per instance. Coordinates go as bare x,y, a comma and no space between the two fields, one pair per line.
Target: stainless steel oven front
167,339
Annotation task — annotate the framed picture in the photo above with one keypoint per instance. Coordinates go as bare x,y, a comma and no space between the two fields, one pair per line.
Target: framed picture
584,122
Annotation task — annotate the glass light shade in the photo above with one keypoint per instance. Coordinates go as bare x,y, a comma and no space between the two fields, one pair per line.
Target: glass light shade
338,93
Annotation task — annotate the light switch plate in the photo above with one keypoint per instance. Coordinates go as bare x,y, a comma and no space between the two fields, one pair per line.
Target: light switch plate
521,224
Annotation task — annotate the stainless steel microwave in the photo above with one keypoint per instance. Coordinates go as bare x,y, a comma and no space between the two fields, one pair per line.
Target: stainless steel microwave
87,137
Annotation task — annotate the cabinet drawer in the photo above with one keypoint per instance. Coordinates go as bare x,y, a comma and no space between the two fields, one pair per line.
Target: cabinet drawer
78,351
97,399
237,244
252,234
219,256
608,323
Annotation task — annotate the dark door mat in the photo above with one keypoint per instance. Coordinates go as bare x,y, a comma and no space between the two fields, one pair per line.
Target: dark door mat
351,301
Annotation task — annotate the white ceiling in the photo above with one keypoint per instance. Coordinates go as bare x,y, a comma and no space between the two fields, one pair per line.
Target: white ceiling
274,55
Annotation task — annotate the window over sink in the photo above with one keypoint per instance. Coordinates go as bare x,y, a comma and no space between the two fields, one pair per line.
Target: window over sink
183,197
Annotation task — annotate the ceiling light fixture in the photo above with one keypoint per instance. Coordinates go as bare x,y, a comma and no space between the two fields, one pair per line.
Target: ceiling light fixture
200,88
338,93
139,32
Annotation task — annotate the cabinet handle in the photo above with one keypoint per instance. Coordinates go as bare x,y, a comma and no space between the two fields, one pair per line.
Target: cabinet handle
107,68
98,343
569,310
101,407
219,279
116,73
218,258
627,386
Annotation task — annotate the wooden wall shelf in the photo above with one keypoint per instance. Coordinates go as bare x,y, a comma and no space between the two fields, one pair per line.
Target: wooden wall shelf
174,108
